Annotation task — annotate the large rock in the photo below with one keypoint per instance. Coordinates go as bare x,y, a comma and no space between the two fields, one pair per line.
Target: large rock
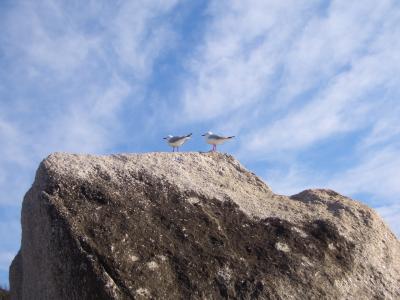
193,226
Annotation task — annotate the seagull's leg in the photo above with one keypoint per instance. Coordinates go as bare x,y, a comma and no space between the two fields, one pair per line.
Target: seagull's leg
173,149
177,149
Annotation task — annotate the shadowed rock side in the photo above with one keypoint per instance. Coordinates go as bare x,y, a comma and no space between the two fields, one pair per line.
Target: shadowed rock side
193,226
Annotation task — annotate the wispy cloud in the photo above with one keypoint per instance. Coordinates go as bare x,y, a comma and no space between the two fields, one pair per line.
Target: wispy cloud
90,71
39,35
5,258
391,214
242,51
377,173
138,40
67,76
287,89
10,239
292,178
345,102
310,88
88,126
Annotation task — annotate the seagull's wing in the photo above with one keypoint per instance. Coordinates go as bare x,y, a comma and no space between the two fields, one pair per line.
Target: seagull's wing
175,139
216,137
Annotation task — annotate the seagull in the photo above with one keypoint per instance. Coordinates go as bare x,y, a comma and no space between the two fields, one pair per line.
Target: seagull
214,139
177,141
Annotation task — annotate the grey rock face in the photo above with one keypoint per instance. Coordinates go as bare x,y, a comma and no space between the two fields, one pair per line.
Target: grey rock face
193,226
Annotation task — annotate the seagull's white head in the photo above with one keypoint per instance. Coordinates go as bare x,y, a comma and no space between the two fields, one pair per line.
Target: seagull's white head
207,133
168,137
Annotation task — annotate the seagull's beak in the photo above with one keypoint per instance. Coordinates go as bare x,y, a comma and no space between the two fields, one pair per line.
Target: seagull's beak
203,135
164,138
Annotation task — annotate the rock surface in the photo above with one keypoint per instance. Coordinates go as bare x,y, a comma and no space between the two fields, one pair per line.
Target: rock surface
193,226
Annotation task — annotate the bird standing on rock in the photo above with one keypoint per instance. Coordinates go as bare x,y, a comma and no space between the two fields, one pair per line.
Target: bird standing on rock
214,139
177,141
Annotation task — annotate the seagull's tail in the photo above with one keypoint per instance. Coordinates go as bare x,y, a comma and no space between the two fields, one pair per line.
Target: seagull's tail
230,137
189,135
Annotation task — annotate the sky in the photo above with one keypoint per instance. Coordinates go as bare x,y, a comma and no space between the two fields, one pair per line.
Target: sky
310,89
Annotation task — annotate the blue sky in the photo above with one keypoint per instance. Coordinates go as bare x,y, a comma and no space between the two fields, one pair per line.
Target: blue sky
310,88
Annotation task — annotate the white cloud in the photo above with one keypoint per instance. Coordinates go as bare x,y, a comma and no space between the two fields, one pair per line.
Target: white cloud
45,35
377,174
72,74
10,235
89,126
140,34
252,56
289,74
385,130
33,42
329,42
391,215
51,47
5,260
67,74
254,66
292,178
284,87
12,149
242,49
346,103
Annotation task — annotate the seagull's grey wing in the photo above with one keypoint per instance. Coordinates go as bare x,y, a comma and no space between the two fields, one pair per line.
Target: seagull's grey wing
216,137
175,139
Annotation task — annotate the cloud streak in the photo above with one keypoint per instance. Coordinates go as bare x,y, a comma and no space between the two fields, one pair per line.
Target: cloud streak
310,88
326,79
67,76
236,64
